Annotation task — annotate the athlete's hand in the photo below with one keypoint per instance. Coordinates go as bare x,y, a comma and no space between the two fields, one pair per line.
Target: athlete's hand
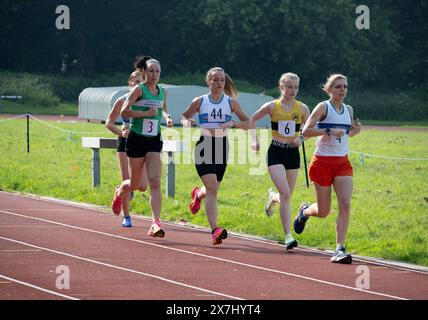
337,133
298,141
227,125
187,123
169,122
255,145
356,128
151,112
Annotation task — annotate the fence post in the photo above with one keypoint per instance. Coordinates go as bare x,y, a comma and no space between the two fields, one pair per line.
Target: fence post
28,133
95,167
170,175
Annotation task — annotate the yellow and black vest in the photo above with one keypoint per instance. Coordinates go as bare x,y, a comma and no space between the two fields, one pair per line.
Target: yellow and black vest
286,124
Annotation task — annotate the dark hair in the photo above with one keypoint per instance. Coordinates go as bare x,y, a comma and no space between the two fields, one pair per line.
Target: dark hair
140,62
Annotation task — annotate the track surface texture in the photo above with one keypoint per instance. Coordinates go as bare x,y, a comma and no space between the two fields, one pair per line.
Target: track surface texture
54,250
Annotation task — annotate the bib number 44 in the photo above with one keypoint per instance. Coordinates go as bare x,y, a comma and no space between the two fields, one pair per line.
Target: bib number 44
216,115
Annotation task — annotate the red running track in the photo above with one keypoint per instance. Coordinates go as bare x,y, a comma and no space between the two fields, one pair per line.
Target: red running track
42,241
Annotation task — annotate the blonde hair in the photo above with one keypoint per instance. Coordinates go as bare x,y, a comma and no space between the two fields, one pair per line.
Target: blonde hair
229,86
288,76
135,74
330,81
153,61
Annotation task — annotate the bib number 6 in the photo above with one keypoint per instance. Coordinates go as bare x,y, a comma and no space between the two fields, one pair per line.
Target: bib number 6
287,128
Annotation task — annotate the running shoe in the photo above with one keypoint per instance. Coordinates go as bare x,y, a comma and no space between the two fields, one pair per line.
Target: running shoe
217,235
300,219
116,204
195,204
269,204
290,243
156,230
340,256
126,222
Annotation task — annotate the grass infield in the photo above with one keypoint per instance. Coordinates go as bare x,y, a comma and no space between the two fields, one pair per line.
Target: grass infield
389,204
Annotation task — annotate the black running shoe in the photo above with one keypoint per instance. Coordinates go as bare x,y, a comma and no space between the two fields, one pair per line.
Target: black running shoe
340,256
290,245
300,219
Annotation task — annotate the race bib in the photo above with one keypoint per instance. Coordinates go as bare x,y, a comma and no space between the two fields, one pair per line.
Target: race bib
339,141
216,115
150,127
287,128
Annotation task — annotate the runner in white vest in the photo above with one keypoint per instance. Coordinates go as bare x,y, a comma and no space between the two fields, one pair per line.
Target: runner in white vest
211,151
332,123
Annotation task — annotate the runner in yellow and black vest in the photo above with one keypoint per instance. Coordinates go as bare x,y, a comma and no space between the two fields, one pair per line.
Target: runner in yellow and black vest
283,157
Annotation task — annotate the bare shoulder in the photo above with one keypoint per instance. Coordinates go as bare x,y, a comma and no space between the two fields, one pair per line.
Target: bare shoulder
320,107
304,108
268,106
197,100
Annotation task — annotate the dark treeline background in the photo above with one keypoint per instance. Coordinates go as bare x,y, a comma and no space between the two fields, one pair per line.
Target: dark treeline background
255,40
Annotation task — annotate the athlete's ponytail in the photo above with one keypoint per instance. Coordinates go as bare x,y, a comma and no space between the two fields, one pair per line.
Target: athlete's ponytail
229,85
140,63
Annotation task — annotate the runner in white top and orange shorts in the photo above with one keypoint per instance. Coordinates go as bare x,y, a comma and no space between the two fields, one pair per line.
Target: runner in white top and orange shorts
332,123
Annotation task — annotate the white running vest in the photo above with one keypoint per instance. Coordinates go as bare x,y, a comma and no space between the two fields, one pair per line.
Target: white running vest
329,145
211,114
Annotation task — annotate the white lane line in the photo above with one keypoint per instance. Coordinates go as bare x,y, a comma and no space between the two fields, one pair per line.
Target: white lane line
22,226
123,269
211,257
22,250
94,208
37,209
38,288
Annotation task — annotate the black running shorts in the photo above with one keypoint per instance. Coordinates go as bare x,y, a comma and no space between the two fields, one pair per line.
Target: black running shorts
211,155
137,145
282,153
121,143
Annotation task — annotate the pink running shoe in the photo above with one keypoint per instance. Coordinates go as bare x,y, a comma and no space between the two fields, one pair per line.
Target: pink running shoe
195,204
156,230
218,234
116,204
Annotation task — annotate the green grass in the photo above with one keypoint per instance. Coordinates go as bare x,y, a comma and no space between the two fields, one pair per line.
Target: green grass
389,205
66,108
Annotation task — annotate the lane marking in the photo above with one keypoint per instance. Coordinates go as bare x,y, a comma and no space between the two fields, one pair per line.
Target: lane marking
123,269
38,288
24,226
22,250
95,208
210,257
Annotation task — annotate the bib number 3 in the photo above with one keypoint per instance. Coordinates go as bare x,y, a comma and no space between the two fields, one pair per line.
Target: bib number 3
150,127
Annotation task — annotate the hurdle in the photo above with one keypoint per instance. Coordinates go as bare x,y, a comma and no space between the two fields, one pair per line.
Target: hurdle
169,146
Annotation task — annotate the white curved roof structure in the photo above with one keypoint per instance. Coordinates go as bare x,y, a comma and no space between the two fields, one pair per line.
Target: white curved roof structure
96,103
